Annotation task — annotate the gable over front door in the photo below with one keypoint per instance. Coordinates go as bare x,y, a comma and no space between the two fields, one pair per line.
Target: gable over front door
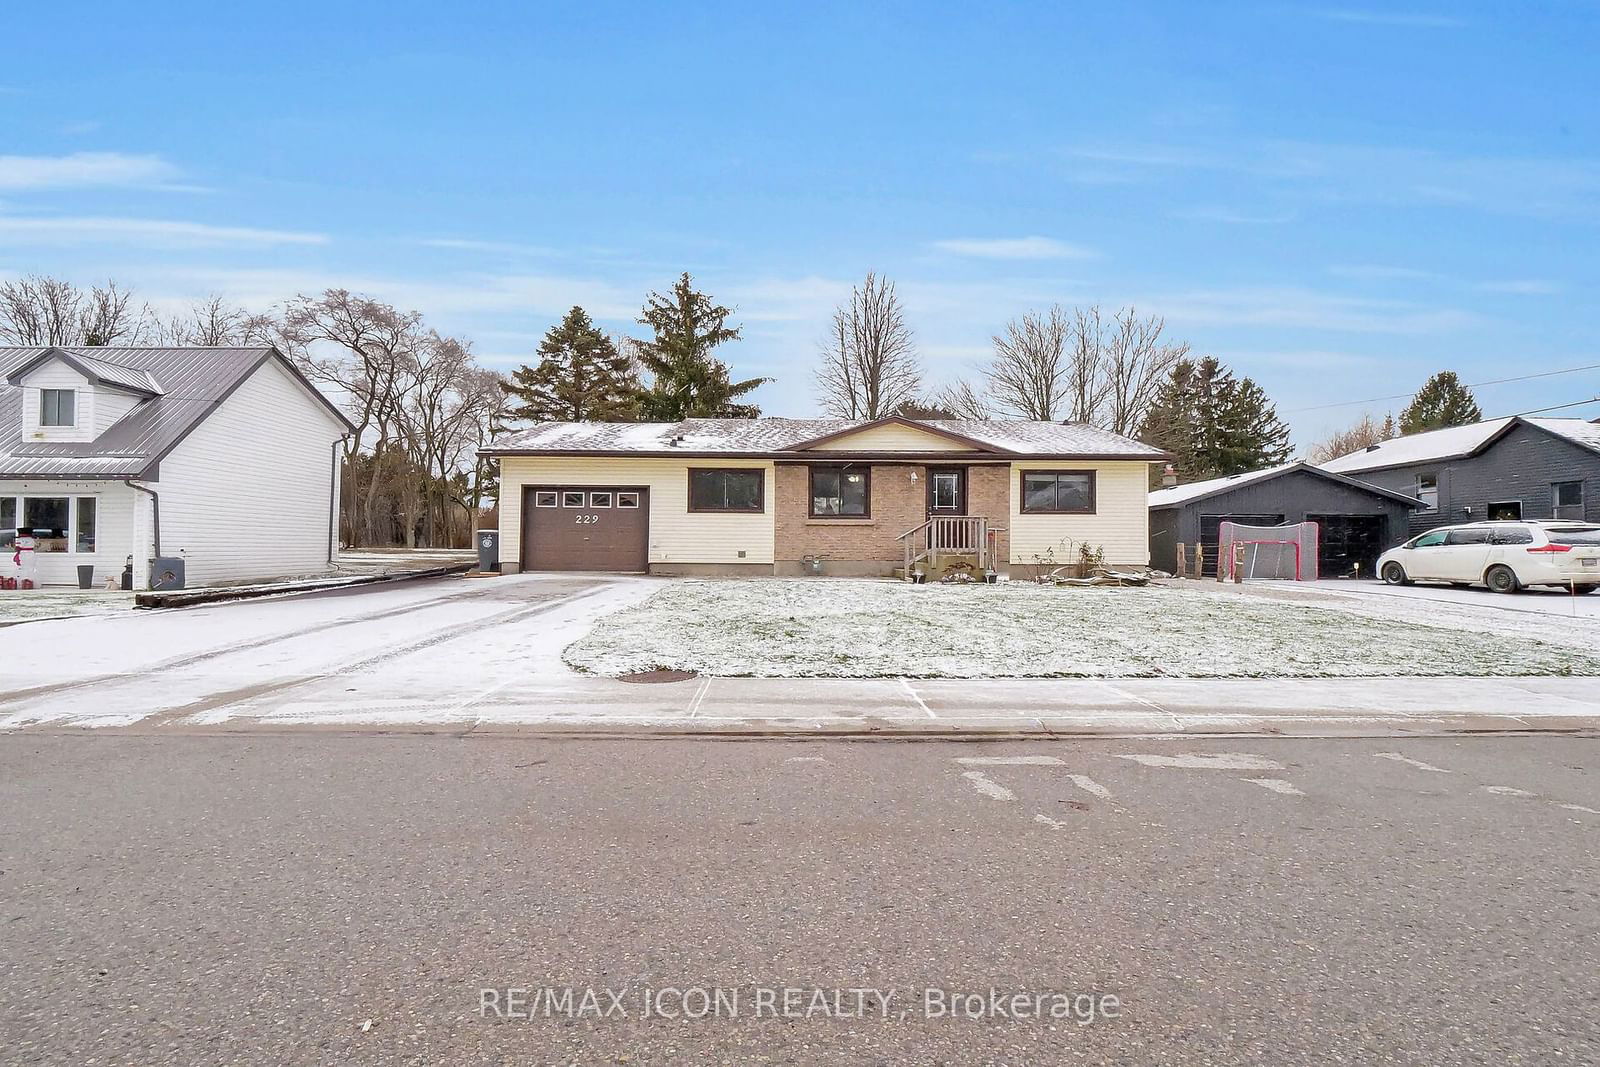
947,491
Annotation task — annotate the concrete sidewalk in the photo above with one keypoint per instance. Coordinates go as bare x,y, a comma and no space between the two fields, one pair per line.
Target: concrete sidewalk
944,707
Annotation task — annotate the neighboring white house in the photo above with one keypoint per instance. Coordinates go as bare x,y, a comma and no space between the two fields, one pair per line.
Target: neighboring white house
226,458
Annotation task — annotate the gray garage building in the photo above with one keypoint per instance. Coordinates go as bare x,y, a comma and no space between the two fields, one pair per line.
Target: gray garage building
1357,521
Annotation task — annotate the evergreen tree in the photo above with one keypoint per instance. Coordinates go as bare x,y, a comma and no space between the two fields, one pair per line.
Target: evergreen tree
581,377
690,383
1441,403
1214,424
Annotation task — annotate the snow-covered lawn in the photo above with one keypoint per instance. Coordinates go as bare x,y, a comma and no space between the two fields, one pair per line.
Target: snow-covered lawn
26,605
809,628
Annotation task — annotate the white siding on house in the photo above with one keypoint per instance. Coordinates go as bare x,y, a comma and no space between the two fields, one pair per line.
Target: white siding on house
248,493
109,406
677,535
114,530
1120,524
55,374
891,437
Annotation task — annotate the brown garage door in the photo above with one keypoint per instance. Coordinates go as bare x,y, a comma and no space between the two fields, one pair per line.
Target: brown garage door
585,528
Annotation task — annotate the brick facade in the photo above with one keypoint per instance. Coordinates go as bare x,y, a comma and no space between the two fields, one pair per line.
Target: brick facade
898,504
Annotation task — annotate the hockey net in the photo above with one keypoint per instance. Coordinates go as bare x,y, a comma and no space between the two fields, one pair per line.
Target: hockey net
1288,552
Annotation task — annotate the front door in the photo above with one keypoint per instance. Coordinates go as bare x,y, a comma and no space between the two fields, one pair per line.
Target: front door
947,491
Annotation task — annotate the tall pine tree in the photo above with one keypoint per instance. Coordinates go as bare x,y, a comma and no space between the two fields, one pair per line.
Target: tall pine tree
1441,403
581,377
1214,424
690,383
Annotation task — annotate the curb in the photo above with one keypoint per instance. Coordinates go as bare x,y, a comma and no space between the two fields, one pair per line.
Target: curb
184,598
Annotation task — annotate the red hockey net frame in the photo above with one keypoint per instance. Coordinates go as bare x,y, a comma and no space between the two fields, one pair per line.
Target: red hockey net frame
1293,556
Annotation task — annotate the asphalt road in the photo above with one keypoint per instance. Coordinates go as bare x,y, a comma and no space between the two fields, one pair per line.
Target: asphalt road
259,898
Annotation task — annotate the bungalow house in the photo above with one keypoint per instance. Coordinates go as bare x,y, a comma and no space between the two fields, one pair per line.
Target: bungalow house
1510,468
1355,521
787,496
224,458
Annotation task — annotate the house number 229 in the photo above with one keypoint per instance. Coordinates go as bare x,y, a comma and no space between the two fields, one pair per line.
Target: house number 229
586,520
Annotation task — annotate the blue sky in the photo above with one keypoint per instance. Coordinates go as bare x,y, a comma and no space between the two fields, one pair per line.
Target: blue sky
1335,200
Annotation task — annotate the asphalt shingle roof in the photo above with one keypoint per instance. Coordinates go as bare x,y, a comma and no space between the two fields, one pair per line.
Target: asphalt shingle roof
779,436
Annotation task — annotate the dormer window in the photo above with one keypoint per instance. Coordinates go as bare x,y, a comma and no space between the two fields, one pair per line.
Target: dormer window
58,407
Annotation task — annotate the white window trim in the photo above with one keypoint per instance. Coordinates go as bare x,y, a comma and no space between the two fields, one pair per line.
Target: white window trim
608,494
555,498
19,501
73,425
633,494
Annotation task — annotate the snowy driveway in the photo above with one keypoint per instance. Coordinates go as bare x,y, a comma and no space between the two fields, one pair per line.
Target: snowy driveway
412,651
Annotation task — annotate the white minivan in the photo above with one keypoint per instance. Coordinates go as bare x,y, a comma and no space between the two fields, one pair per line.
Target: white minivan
1505,556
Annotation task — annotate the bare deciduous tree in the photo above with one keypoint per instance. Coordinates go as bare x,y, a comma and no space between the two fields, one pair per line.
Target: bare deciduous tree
1366,431
215,323
359,347
39,310
1028,374
869,362
963,401
1137,362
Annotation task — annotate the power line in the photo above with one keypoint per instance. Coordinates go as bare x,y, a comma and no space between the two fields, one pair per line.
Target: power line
1470,385
1559,407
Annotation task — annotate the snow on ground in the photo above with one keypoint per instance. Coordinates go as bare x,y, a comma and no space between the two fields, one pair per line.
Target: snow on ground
1546,615
809,628
27,605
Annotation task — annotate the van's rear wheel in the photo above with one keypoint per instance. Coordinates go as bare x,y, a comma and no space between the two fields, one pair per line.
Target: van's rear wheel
1501,580
1394,574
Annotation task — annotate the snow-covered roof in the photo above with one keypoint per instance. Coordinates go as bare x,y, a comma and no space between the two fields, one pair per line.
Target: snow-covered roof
776,436
1456,442
1173,496
181,387
1578,431
1182,494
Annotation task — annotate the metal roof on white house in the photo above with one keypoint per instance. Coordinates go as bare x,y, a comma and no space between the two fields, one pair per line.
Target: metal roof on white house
1456,442
777,436
184,385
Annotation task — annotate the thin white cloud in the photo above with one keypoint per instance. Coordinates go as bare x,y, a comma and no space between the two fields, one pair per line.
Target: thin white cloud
1013,248
1298,308
1232,217
1380,272
1551,187
82,169
455,244
1414,19
164,233
1522,287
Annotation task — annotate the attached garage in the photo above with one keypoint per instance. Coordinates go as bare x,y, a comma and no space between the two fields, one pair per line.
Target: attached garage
586,528
1356,521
